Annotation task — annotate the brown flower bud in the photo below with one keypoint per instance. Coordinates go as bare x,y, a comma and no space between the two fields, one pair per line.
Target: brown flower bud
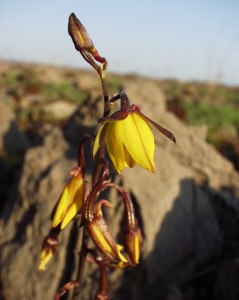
133,242
49,246
102,237
82,40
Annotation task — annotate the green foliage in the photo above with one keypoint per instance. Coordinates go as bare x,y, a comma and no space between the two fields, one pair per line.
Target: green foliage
233,98
63,91
197,103
215,117
8,79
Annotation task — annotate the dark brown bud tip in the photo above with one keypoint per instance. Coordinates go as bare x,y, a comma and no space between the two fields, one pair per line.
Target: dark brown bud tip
81,38
78,33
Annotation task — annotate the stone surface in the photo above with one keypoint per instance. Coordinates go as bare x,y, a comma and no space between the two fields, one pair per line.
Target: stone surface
59,110
25,221
12,140
188,210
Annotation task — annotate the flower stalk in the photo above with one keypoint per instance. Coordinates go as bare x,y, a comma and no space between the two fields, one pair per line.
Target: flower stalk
127,138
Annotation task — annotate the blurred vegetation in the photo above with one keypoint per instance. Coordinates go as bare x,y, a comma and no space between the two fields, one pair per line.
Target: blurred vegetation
30,88
217,118
63,90
216,106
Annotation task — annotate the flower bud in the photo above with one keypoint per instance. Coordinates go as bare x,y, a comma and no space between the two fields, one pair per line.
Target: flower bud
102,238
133,242
81,38
70,201
48,249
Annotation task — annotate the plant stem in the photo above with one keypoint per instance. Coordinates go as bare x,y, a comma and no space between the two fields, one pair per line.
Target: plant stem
82,260
107,104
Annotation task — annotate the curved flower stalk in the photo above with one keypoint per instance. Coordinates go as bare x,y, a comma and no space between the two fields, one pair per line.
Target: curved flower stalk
132,232
128,137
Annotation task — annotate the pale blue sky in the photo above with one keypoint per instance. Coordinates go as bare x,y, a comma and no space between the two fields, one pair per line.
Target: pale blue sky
188,40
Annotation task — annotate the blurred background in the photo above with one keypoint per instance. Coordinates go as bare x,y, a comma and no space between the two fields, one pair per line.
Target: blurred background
186,40
179,61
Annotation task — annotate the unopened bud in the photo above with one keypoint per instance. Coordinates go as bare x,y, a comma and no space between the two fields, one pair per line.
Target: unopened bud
81,38
133,242
48,249
102,238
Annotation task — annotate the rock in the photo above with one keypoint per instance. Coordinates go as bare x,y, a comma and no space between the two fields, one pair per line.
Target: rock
12,140
59,110
181,231
226,286
26,221
183,209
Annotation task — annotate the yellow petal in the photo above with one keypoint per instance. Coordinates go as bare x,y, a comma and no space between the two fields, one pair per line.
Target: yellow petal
74,208
121,256
114,144
139,140
61,207
136,253
71,193
44,259
129,162
99,238
97,141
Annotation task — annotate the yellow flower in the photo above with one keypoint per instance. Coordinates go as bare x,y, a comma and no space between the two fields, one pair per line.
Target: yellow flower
128,141
48,249
70,201
45,256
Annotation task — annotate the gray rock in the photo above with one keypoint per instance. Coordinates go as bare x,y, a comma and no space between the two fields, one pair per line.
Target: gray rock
25,221
177,206
59,110
12,139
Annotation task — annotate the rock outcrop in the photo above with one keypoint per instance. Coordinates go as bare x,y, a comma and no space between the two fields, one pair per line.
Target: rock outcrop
188,210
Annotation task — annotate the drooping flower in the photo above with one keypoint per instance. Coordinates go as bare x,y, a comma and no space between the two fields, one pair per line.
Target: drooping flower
70,201
129,138
48,249
102,237
128,141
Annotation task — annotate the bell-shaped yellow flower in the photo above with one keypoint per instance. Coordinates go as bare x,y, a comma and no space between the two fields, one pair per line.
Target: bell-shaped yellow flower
128,141
70,201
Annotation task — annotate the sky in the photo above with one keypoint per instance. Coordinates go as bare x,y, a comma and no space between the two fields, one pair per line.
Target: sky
180,39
